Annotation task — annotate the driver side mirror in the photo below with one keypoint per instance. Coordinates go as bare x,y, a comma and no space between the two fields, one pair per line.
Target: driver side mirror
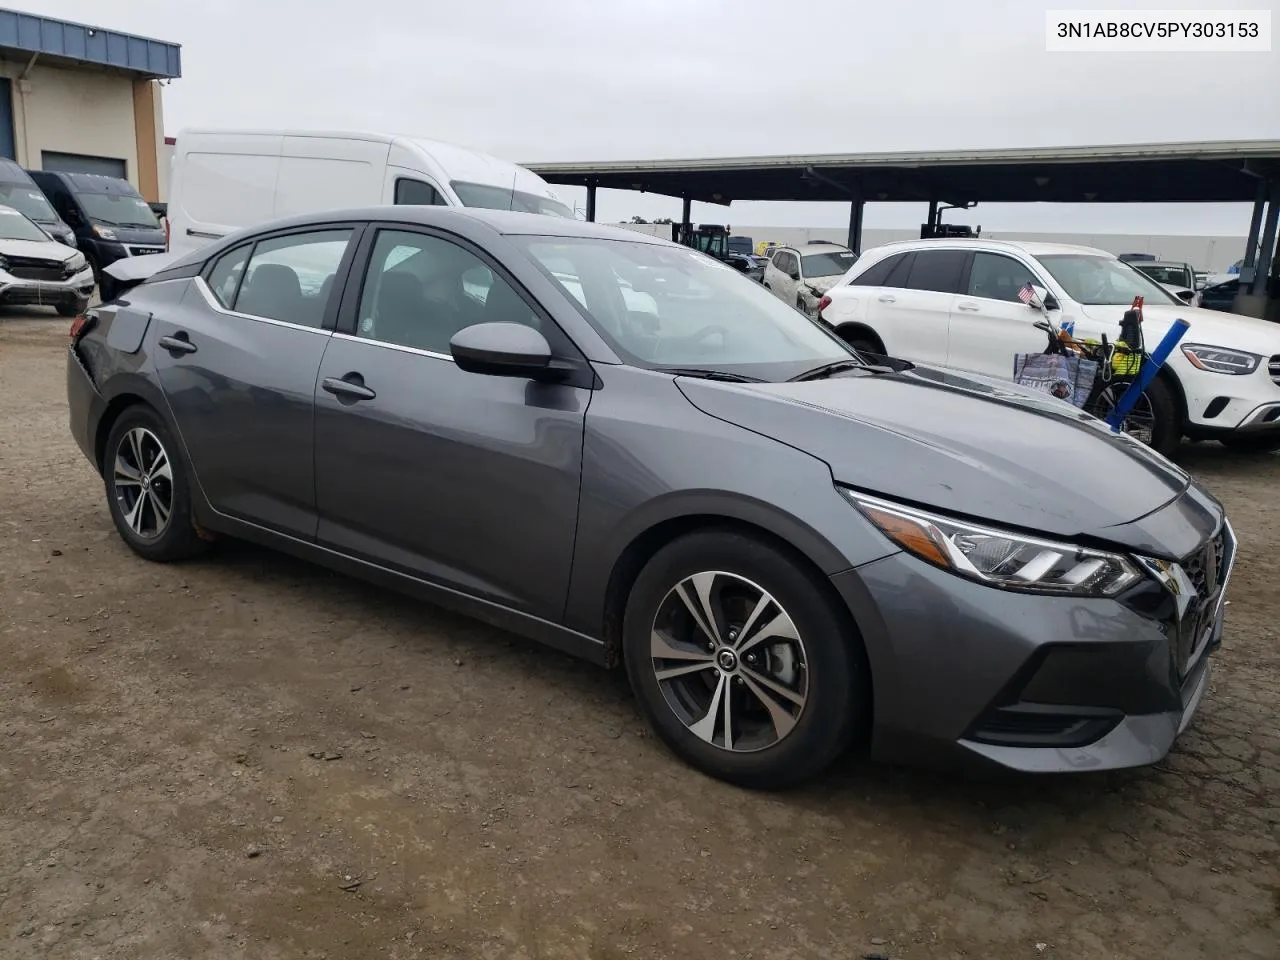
1186,296
1042,300
502,350
794,273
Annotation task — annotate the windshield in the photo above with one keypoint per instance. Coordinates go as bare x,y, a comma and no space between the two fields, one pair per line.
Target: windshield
661,306
1102,281
26,198
833,264
741,245
14,226
501,198
116,210
1173,275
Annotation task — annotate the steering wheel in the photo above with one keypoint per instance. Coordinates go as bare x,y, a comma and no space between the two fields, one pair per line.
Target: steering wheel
708,331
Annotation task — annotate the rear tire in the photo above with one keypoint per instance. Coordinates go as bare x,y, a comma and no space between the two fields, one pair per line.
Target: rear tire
862,343
148,488
794,674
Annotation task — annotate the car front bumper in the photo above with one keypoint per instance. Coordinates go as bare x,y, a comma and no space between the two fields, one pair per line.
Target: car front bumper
74,291
964,674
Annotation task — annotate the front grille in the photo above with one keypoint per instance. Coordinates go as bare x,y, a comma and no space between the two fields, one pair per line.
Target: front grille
1207,566
34,296
1273,368
37,268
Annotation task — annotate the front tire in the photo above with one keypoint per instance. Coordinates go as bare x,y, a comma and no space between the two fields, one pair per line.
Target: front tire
148,491
741,663
1155,419
71,309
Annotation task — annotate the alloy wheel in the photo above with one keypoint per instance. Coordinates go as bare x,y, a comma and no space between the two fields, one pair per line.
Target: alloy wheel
1141,421
142,481
729,661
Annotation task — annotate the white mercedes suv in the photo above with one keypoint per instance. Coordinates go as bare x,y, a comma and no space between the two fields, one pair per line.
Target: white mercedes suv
955,303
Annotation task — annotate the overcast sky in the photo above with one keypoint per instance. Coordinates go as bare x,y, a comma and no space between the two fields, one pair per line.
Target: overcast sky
573,80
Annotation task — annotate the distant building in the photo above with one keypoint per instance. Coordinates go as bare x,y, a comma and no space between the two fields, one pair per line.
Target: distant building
83,99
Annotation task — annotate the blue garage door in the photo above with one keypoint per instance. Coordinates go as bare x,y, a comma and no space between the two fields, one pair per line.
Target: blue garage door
81,163
6,120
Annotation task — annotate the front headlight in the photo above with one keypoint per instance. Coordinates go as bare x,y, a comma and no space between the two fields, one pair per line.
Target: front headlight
77,262
1220,359
998,558
106,233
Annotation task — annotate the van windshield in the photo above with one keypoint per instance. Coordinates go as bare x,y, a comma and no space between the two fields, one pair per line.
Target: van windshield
500,198
114,210
26,198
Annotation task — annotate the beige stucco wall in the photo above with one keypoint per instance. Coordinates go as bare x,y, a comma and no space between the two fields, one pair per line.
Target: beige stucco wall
72,111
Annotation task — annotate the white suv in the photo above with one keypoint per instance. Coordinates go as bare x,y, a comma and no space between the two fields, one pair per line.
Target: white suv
801,275
955,303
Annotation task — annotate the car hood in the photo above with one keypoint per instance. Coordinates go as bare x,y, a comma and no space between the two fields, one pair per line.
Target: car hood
41,249
964,445
1212,327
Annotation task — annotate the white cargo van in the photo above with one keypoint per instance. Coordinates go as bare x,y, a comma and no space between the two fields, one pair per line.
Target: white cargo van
224,180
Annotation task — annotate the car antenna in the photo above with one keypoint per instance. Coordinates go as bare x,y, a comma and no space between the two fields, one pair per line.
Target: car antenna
511,201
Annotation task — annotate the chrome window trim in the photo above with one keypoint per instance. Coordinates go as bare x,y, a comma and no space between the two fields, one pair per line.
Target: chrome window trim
394,346
217,307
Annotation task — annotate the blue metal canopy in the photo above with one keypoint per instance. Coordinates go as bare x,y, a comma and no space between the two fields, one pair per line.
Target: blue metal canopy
27,33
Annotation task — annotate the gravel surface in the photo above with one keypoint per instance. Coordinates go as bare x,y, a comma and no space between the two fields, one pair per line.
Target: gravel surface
248,757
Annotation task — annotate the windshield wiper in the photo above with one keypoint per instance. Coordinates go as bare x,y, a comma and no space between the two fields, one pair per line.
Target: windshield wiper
838,366
706,374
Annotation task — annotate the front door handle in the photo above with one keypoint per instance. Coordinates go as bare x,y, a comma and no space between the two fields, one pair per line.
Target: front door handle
350,387
887,298
178,344
967,307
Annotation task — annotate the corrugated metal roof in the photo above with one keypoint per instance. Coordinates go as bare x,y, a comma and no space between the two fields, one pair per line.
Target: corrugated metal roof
28,33
1227,171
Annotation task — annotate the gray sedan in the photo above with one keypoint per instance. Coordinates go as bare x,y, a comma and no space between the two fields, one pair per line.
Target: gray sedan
633,453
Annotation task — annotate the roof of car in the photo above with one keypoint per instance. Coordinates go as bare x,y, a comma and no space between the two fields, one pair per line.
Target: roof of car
820,246
1034,249
506,222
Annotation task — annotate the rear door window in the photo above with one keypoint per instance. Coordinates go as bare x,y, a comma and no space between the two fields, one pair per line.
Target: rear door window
878,273
290,278
937,270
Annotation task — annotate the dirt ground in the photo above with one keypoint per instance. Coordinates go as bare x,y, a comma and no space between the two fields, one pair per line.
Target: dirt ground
248,757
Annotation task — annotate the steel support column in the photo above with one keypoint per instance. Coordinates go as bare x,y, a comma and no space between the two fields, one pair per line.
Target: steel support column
1255,226
591,203
1267,250
856,207
933,213
685,213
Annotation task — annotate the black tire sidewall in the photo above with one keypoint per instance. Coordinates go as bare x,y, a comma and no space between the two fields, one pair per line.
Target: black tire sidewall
1166,430
179,539
837,673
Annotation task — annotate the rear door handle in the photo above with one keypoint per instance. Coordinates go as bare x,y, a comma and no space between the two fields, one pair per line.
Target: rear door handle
887,298
968,307
178,344
350,387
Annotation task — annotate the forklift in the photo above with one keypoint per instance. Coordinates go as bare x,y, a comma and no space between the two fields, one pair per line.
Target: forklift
713,240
